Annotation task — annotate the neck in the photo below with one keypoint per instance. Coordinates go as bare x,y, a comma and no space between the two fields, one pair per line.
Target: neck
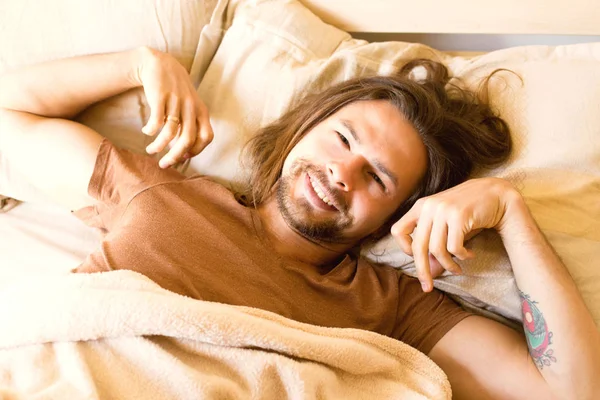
290,244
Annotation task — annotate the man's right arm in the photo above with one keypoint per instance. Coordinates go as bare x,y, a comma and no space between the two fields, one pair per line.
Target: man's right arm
57,155
37,138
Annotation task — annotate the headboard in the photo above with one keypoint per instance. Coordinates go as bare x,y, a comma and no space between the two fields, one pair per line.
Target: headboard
559,17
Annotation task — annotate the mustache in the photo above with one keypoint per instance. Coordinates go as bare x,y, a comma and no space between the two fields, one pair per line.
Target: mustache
333,193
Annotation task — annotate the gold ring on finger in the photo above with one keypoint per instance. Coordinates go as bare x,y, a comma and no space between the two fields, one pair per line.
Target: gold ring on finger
173,118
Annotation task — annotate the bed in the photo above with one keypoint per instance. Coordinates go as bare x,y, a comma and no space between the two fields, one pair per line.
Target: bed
118,335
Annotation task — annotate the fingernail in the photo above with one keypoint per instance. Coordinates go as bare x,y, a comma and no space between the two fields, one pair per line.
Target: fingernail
425,286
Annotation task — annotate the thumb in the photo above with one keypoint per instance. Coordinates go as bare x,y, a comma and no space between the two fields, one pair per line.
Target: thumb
435,267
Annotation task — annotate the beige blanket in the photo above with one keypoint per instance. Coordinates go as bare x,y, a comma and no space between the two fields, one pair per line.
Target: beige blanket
119,335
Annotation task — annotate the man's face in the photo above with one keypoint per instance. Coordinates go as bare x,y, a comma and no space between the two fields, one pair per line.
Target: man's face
346,177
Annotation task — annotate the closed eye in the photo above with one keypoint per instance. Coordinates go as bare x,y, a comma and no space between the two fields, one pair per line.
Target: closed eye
377,179
343,139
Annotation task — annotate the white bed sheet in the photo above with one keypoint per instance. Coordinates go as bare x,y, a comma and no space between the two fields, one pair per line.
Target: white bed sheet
42,239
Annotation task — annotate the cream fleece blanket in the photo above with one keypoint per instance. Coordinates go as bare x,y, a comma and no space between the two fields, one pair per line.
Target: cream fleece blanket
119,335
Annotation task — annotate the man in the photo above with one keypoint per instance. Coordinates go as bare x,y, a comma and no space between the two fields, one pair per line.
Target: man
354,159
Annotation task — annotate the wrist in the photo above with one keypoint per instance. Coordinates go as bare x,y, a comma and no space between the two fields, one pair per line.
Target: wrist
517,219
137,59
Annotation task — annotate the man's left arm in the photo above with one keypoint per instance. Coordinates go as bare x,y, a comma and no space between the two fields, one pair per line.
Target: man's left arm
486,360
559,354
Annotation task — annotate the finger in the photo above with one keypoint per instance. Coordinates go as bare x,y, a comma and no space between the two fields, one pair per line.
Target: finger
435,267
168,133
456,242
420,248
169,130
186,140
157,117
401,234
405,226
472,234
438,246
205,135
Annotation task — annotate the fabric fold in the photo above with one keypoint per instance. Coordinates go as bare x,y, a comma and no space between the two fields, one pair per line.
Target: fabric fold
113,333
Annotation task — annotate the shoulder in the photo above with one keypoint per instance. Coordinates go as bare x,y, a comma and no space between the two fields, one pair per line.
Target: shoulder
422,319
204,186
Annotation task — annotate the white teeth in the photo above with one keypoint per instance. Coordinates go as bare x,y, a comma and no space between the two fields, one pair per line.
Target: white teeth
320,193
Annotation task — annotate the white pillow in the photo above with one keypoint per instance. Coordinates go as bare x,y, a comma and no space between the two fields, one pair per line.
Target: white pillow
273,52
36,31
555,164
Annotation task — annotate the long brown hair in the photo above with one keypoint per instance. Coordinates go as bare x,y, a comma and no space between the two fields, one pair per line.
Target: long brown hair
458,128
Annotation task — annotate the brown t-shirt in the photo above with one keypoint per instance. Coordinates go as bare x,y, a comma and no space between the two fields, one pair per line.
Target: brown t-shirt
192,237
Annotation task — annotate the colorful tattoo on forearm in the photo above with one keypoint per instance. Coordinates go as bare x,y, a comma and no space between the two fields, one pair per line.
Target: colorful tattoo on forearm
536,332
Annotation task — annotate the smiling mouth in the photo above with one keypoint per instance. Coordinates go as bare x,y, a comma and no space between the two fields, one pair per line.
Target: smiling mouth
321,196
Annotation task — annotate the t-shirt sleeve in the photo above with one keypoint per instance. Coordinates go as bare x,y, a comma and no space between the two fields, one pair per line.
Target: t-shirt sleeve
118,176
424,318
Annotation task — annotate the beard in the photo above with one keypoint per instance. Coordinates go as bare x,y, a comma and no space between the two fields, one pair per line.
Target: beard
301,216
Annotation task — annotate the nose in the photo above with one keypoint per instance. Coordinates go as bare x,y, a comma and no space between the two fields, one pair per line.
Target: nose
345,173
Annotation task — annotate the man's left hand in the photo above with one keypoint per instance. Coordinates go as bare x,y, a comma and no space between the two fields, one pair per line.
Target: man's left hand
440,224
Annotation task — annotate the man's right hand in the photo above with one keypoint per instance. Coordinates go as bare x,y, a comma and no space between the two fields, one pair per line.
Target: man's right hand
178,115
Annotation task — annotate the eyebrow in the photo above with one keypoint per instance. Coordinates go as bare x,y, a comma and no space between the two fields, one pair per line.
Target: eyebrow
377,163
